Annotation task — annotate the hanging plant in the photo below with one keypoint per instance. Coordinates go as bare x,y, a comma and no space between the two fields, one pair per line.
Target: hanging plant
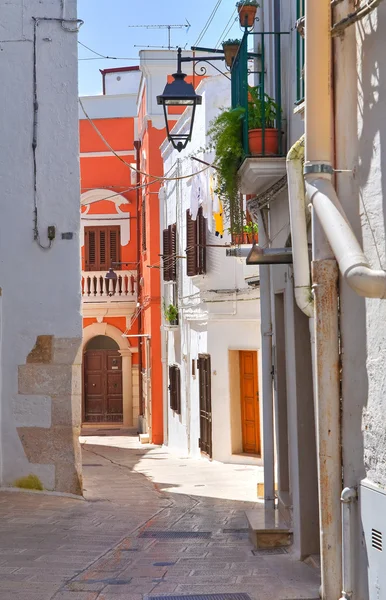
171,314
247,12
230,48
225,134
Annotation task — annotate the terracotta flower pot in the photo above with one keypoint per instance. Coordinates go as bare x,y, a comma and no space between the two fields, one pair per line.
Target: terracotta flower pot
230,51
271,146
247,15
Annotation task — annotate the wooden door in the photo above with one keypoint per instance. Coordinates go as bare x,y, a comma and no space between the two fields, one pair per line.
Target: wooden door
204,369
103,397
249,394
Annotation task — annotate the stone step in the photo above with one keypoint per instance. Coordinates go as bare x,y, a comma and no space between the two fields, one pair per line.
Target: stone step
267,529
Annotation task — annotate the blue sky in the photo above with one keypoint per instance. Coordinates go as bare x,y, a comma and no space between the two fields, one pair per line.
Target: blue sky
106,30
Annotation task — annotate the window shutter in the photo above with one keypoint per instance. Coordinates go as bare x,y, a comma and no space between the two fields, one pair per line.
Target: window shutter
102,247
172,252
115,246
103,250
144,241
166,255
178,390
201,224
175,388
90,239
191,246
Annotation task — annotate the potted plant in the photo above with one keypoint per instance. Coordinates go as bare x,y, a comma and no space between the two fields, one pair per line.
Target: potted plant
230,48
247,234
257,109
247,12
171,314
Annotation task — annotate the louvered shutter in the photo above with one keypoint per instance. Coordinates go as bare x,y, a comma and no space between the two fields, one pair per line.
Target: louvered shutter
191,246
173,252
178,390
114,246
102,248
201,225
90,240
172,387
166,255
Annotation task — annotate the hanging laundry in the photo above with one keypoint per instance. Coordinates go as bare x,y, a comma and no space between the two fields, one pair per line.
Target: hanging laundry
219,221
214,196
195,195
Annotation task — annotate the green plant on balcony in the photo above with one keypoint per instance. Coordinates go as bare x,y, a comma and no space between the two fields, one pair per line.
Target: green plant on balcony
225,135
246,234
171,314
247,12
230,49
262,112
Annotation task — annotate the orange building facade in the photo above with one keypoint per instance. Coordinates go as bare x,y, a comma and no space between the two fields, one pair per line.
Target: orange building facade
122,206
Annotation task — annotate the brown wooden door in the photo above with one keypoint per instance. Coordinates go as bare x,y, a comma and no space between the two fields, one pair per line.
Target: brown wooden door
249,393
103,399
204,369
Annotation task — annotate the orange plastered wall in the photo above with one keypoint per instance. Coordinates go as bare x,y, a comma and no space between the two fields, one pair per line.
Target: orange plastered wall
119,132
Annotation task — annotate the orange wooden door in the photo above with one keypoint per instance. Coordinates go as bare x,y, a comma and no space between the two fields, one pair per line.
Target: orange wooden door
250,415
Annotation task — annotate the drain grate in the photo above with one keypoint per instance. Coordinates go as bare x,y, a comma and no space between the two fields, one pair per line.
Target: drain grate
267,551
202,597
176,534
246,530
93,465
163,564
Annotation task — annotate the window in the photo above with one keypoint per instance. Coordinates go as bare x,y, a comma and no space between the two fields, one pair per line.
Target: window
143,218
175,389
195,244
102,248
170,253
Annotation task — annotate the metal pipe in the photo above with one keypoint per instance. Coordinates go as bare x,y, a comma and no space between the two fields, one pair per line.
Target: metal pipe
347,497
137,146
297,208
318,157
266,358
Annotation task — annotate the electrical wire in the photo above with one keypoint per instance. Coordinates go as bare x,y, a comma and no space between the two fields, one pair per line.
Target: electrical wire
128,164
209,21
227,28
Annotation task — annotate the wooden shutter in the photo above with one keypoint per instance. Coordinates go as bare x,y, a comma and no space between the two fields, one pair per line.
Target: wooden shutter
201,225
165,255
172,252
144,241
102,248
175,388
191,246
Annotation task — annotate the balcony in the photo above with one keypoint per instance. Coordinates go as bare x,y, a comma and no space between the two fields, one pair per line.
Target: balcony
96,289
263,135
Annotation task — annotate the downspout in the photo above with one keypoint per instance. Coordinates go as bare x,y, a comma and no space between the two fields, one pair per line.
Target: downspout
266,359
266,342
137,146
318,170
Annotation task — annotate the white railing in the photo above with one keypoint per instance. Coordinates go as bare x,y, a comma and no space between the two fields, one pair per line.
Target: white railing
96,288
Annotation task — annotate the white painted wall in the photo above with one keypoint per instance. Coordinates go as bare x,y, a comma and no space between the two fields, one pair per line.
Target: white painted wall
122,82
212,322
40,288
109,107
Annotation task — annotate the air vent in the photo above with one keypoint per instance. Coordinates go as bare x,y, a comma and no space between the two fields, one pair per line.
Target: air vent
376,539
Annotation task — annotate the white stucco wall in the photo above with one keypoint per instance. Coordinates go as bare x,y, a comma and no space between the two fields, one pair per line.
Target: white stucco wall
122,82
212,322
40,288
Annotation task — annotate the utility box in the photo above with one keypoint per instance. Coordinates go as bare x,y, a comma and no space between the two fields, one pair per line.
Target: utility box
373,515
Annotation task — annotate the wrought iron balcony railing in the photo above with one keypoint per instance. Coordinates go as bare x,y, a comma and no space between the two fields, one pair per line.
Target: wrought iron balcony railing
262,120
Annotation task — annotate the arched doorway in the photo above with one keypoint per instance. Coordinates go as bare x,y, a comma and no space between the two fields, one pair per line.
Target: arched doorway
102,377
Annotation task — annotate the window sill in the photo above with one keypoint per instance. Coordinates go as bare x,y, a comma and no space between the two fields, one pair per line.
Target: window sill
299,109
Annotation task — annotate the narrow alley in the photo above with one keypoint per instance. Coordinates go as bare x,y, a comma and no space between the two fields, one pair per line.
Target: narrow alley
151,525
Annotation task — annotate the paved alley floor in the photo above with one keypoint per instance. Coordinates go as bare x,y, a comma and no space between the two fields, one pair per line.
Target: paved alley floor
150,525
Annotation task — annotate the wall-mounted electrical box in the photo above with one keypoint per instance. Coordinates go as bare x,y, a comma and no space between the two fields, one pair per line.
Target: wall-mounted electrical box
373,516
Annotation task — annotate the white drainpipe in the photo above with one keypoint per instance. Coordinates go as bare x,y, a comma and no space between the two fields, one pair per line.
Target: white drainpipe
347,498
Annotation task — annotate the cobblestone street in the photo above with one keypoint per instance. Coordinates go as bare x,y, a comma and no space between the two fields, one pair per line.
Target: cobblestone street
150,525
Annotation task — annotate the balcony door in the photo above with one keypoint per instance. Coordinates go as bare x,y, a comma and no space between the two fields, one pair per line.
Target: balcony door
102,377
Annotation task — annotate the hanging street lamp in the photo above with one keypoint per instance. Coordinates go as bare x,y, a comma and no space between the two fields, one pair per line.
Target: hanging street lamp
179,93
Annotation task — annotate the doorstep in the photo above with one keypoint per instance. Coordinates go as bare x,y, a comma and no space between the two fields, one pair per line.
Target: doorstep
267,529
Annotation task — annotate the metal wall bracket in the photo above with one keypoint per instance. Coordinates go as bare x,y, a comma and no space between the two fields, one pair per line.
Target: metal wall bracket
318,168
